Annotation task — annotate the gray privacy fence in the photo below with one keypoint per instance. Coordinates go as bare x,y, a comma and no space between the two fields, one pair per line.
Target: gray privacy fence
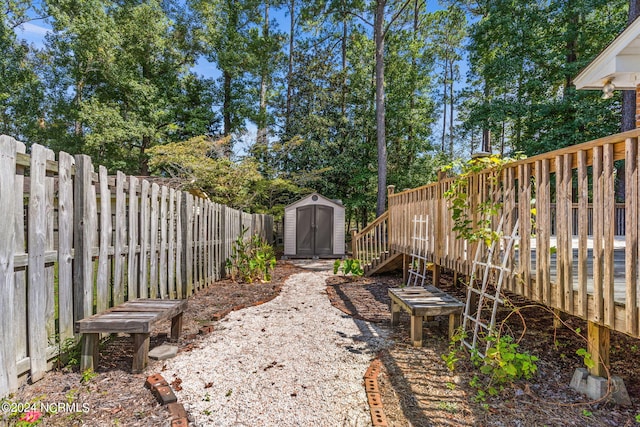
75,241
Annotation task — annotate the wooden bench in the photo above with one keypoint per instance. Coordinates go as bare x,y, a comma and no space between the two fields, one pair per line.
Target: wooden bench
135,317
421,302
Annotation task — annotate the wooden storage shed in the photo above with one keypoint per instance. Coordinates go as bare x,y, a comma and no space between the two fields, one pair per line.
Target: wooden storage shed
314,227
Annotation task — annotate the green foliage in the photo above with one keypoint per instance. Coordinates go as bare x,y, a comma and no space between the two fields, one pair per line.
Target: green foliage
68,353
587,413
503,363
523,57
118,81
463,209
586,357
88,375
251,260
21,414
201,164
453,356
348,266
638,418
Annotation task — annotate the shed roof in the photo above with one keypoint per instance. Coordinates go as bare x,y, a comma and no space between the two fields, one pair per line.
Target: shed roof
334,202
619,63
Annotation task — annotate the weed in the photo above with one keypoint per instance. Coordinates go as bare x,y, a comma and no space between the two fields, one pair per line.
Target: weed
88,375
587,413
586,357
68,353
348,266
71,395
451,358
448,407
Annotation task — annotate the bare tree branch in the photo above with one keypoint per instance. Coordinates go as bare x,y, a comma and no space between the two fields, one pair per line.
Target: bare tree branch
396,16
361,18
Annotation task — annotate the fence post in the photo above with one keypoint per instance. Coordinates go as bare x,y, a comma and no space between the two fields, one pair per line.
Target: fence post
186,260
390,191
222,238
83,239
8,374
438,234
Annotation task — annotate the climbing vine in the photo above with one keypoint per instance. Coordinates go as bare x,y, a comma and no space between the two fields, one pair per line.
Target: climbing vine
472,222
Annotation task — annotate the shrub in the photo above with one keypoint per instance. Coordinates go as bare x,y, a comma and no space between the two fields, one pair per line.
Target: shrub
251,260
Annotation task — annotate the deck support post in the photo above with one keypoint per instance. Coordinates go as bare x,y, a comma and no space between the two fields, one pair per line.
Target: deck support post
598,344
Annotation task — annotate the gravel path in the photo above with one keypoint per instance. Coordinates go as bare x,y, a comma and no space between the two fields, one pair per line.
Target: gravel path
294,361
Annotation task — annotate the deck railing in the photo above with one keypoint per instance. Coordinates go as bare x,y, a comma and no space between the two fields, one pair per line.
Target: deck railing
74,242
372,243
573,193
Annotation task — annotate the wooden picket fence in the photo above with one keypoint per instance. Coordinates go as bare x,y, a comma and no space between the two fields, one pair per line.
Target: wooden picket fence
556,195
74,242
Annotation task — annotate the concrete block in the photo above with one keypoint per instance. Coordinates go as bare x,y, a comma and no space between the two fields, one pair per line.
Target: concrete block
619,392
163,352
597,387
579,380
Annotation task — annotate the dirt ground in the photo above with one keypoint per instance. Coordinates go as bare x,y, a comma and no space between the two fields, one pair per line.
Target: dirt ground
417,387
419,390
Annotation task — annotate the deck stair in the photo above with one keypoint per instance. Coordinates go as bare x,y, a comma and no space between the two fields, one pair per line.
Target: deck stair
371,247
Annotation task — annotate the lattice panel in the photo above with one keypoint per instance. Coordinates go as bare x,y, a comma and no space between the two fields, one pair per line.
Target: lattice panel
485,284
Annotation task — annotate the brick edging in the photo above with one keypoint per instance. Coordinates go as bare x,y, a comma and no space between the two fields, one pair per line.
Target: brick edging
374,397
164,394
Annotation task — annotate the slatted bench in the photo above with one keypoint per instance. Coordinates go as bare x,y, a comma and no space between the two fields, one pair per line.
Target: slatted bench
421,302
135,317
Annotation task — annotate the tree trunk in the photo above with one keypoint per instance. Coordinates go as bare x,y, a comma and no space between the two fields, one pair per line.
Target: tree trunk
414,66
444,107
451,106
226,103
380,108
344,61
486,133
292,34
261,134
144,162
629,96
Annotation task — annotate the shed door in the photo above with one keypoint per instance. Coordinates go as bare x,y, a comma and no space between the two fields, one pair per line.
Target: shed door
314,230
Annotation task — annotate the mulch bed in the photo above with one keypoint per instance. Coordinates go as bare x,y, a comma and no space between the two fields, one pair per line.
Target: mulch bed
418,389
